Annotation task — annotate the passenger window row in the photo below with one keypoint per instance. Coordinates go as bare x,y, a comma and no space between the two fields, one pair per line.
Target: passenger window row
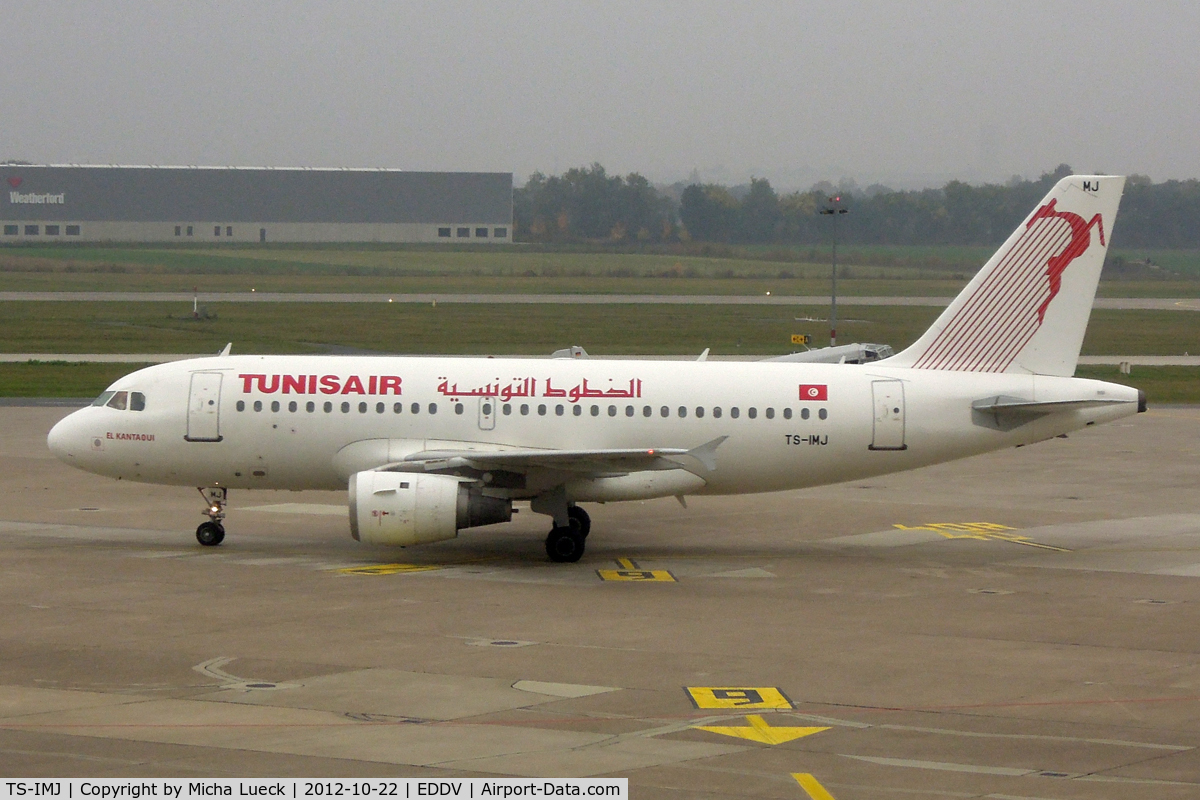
542,410
648,411
345,407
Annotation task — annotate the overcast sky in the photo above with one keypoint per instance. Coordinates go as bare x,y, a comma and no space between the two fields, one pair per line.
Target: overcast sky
907,93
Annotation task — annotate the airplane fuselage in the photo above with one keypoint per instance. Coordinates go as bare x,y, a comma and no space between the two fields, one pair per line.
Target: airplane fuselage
309,422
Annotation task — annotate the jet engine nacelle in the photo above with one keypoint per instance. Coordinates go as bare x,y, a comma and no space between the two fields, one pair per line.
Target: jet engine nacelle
400,508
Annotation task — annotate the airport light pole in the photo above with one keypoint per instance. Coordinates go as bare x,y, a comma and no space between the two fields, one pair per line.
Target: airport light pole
835,209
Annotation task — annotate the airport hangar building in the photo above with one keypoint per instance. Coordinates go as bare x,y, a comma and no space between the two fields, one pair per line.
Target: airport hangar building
244,204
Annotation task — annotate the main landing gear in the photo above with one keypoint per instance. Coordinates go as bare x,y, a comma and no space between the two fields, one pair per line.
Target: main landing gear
580,518
212,533
565,543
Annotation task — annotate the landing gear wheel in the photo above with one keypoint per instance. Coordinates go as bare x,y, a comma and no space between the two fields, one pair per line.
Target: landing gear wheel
210,534
580,520
564,545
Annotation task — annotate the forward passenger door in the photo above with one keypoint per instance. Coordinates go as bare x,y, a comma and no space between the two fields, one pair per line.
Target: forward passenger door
204,408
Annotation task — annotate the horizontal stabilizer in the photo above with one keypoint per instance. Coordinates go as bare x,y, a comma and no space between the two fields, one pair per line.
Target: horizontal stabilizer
1005,413
1016,405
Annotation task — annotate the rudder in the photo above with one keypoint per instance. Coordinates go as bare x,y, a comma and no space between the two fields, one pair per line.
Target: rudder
1027,309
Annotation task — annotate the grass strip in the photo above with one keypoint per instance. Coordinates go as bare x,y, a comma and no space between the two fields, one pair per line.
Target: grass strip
697,268
501,329
59,378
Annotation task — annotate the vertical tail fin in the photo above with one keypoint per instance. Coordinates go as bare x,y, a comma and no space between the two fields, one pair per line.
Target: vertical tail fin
1028,308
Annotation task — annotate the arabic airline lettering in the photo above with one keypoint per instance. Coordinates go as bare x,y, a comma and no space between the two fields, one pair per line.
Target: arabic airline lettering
530,387
426,447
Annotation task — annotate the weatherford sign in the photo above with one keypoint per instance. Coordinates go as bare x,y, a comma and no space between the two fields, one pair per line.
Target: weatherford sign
38,199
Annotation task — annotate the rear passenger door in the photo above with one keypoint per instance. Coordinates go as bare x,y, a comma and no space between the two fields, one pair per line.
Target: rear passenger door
888,431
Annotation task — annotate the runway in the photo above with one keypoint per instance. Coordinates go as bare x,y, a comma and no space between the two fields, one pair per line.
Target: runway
1119,303
1017,625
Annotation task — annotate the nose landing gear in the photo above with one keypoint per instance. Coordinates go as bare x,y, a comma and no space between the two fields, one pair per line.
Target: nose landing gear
212,533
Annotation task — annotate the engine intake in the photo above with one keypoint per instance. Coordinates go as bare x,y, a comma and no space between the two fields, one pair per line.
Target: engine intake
398,508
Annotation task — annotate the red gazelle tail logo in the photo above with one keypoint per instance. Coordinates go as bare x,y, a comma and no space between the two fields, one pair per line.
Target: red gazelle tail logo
1009,305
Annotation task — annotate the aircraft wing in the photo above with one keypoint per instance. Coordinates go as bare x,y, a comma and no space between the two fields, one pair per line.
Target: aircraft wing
589,462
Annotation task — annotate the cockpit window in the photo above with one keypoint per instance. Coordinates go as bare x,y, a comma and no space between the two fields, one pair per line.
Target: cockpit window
103,398
137,401
119,401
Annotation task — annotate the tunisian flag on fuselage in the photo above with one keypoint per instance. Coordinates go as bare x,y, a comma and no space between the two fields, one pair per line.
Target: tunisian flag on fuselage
814,391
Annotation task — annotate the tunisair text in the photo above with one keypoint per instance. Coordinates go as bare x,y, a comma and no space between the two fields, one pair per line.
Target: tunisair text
323,384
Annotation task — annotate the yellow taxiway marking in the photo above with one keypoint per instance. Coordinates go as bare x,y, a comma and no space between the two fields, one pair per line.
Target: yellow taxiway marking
738,697
760,731
982,531
812,786
388,569
629,571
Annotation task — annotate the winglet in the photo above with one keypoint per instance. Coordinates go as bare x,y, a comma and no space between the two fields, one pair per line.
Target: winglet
706,453
225,350
704,355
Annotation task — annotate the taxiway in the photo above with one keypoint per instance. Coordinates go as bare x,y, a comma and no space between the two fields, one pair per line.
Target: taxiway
1021,624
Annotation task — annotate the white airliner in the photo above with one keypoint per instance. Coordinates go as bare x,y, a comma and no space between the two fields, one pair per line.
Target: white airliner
428,446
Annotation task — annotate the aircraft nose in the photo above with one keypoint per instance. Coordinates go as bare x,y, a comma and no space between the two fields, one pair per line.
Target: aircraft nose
64,438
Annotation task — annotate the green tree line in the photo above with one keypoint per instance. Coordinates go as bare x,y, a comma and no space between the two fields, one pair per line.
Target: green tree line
587,204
